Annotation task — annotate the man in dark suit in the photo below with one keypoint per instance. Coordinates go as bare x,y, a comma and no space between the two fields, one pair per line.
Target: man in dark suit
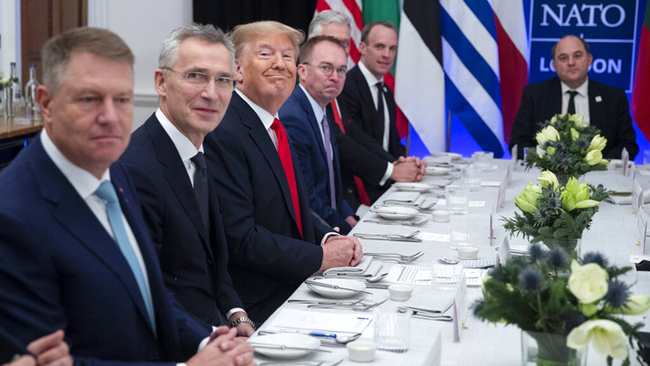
321,73
274,241
165,159
601,105
75,253
359,153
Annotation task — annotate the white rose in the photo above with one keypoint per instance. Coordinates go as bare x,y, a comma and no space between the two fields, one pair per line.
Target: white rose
587,283
607,336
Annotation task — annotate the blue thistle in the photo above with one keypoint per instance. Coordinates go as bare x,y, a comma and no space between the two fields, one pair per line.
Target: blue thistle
617,294
557,258
556,159
530,279
535,252
583,144
573,319
595,257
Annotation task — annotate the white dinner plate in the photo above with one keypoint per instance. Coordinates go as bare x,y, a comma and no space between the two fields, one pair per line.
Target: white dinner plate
436,170
413,187
289,340
396,212
334,293
453,156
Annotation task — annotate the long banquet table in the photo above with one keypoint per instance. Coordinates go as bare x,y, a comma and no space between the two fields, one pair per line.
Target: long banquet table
613,232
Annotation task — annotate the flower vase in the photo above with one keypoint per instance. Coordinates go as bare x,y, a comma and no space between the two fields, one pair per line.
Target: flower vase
546,349
569,245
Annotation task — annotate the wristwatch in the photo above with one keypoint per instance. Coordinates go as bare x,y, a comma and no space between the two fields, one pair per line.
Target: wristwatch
242,319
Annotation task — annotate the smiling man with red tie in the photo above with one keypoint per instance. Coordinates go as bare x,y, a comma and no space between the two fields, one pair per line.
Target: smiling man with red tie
275,242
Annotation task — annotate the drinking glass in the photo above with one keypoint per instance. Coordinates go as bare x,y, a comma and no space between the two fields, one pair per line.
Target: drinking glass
457,199
392,330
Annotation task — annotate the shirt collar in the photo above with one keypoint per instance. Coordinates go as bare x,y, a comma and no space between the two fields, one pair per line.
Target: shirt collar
264,116
370,78
184,146
82,180
318,111
582,89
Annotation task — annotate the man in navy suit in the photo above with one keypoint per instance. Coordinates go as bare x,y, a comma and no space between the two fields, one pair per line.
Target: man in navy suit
163,160
601,105
274,241
370,102
75,253
321,73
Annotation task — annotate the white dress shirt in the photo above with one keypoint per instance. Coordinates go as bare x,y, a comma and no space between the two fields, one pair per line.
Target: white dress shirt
581,100
86,184
187,151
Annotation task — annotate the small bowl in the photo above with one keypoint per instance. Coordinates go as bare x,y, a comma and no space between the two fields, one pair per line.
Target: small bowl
361,351
400,292
467,253
440,216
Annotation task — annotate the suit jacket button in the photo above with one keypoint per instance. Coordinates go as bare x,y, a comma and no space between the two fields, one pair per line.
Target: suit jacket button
210,262
349,190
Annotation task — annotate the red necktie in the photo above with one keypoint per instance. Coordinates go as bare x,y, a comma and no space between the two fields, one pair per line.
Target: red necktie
363,195
287,164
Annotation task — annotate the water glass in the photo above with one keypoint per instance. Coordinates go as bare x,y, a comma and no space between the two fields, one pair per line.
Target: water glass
457,199
392,330
483,159
472,178
445,277
459,234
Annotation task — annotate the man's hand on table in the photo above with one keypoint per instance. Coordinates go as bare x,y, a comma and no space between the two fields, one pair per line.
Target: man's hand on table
224,349
409,169
50,350
341,251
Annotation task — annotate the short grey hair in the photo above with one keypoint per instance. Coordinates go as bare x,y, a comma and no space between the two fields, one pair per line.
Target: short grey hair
207,33
326,17
56,52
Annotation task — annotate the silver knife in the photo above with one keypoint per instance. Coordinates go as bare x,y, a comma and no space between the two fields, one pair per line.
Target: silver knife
336,287
281,346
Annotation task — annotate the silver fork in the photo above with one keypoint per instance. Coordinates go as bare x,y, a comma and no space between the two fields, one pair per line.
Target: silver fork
395,255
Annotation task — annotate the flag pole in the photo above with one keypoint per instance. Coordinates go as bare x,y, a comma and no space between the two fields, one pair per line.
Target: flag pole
447,145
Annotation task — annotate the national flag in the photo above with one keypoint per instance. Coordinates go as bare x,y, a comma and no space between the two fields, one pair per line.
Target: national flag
353,9
639,105
513,57
471,62
420,78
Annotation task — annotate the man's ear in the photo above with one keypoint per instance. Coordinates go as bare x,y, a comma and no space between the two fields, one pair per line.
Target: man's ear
44,99
159,83
239,72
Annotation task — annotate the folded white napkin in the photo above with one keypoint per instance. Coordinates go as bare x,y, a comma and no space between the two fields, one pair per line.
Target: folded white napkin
366,268
407,198
625,199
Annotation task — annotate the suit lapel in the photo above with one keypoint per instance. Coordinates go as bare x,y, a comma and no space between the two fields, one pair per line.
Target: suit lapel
176,176
263,141
75,216
366,98
555,99
306,106
596,112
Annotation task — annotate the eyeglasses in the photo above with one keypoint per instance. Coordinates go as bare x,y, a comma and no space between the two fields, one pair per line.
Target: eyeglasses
200,80
328,70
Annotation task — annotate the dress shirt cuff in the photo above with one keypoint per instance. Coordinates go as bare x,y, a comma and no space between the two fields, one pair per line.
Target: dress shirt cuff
387,174
202,345
327,236
181,364
234,310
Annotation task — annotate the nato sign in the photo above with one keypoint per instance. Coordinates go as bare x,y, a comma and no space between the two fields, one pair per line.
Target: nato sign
608,26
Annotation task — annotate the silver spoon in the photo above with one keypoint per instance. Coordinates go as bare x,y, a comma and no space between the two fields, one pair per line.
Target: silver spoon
411,235
377,278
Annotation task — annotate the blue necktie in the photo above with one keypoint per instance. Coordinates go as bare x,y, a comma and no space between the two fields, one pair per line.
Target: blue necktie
106,191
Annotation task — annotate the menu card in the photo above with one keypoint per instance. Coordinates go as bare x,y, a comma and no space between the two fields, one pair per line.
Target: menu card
637,196
460,309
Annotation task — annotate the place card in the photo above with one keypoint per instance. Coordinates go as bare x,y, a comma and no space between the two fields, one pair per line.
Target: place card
501,196
637,197
625,157
642,227
511,167
460,308
490,183
409,274
504,252
476,204
492,237
514,152
434,237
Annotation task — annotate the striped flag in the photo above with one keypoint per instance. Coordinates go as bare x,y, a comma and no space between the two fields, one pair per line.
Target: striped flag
471,62
639,105
353,9
419,76
513,57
